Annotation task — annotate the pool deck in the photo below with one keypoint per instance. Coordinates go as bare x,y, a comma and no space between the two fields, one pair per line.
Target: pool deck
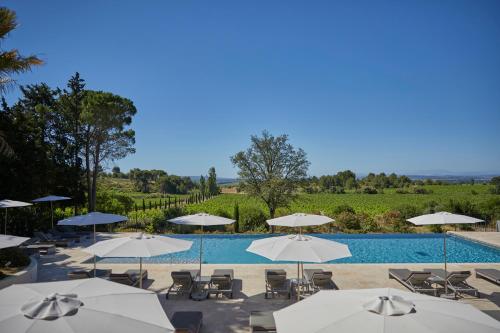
491,238
232,315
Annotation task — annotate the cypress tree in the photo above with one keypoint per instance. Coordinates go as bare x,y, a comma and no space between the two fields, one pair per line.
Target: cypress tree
143,205
236,217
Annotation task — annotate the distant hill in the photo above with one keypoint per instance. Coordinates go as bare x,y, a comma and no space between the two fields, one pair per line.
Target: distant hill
220,180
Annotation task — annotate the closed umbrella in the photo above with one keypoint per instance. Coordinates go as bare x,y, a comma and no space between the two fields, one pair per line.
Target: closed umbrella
203,220
443,218
382,310
138,246
11,241
81,306
11,204
299,248
93,218
51,199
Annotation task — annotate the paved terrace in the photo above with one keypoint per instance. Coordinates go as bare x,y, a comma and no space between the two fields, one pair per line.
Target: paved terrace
231,315
488,238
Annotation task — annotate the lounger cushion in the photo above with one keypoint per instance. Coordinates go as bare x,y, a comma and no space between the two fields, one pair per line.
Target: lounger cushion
262,321
187,321
490,274
224,272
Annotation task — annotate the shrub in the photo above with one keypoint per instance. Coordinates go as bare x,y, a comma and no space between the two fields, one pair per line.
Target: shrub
369,190
394,221
368,224
343,208
15,256
348,220
401,191
436,228
421,190
252,219
408,211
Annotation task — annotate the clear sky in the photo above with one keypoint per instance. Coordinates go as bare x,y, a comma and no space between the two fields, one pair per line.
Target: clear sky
405,86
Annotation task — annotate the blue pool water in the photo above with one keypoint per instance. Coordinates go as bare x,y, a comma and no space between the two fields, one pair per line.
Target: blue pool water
380,248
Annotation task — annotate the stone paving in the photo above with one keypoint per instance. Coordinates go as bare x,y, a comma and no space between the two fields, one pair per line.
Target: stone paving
231,315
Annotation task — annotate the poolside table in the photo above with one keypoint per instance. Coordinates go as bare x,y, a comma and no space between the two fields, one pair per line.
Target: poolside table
201,292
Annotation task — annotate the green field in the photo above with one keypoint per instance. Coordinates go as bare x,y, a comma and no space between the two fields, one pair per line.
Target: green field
371,204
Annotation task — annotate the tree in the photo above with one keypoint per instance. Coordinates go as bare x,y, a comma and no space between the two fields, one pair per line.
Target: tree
203,186
236,217
106,138
271,169
116,171
213,189
11,62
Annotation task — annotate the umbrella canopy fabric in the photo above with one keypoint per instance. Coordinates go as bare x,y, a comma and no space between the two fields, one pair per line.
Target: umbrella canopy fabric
6,203
83,306
92,219
51,198
12,203
201,219
299,220
443,218
10,241
138,246
381,310
299,248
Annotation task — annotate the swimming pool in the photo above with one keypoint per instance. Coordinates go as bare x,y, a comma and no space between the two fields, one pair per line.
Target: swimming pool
365,248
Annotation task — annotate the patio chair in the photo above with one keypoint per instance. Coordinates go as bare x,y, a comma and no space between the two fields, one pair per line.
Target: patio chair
86,274
130,278
319,279
183,283
262,321
492,275
221,282
416,281
187,321
277,283
458,284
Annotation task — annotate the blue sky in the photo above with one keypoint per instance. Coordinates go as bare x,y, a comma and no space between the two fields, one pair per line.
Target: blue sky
405,86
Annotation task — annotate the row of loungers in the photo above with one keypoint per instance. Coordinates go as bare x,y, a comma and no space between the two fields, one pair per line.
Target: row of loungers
433,281
185,282
315,280
131,277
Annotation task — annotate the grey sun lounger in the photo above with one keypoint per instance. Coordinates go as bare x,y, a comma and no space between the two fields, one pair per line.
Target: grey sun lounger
319,279
277,283
187,321
456,281
86,274
131,277
44,239
416,281
492,275
183,282
262,321
221,283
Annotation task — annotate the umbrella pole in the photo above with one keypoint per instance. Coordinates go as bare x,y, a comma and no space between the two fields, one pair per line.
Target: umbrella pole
298,281
201,253
52,215
140,272
95,273
445,265
5,223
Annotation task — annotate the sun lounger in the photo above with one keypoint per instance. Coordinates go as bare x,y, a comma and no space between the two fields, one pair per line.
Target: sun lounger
56,234
46,239
319,279
187,321
131,277
183,282
84,274
416,281
262,321
456,281
277,283
221,283
492,275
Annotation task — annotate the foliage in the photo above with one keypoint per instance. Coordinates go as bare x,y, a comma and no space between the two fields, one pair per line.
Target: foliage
252,219
236,217
348,220
212,187
394,221
11,62
271,169
14,256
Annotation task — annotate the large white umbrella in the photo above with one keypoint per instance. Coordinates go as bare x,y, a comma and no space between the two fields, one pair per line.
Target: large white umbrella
10,241
443,218
382,310
11,204
93,218
51,199
82,306
203,220
138,246
299,248
300,220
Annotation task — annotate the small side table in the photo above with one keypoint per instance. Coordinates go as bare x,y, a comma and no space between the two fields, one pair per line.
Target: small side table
200,293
